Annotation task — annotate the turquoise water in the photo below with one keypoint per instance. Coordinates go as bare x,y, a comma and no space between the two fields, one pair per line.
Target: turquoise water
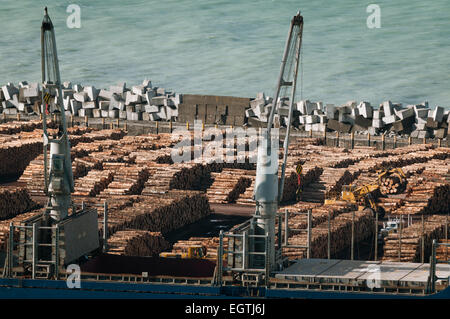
235,47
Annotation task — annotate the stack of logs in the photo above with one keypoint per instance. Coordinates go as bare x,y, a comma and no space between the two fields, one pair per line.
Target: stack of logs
93,183
407,248
133,242
15,155
128,180
443,252
14,201
228,185
392,184
340,235
162,213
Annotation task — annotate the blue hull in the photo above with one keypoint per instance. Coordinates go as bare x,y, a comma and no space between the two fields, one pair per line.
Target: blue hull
48,289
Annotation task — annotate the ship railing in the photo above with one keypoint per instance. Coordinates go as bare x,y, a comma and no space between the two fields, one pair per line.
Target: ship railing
433,278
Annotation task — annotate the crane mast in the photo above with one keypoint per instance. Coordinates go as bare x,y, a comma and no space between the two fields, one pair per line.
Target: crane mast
268,192
58,174
252,252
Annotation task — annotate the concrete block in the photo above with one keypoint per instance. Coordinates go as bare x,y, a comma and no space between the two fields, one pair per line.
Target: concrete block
139,108
257,102
96,113
283,111
85,112
162,113
311,119
134,116
404,126
432,124
131,98
421,126
77,88
92,92
415,134
390,119
378,114
10,111
118,89
362,121
151,109
440,133
346,118
113,114
138,89
145,116
319,127
123,115
105,94
104,113
323,119
67,85
89,105
387,109
116,103
406,113
365,110
161,91
423,134
158,100
350,104
261,95
377,123
130,108
354,112
372,130
147,84
438,114
66,103
306,107
155,117
171,113
32,92
75,106
149,95
331,112
103,105
9,91
421,113
80,96
249,113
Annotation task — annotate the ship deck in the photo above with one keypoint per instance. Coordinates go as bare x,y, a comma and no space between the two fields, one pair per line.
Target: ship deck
370,275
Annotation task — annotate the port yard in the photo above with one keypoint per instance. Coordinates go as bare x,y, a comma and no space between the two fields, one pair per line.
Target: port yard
155,205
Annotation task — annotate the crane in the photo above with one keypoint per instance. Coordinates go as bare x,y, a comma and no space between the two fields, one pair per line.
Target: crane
251,245
58,176
53,239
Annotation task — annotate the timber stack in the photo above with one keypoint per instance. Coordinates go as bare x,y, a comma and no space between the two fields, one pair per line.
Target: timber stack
133,242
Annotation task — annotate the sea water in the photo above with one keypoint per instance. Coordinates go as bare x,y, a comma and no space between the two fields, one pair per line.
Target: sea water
235,47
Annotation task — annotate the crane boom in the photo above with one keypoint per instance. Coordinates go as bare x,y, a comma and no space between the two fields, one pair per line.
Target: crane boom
58,174
268,192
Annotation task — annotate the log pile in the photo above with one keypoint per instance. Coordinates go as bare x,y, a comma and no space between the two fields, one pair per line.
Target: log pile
114,134
443,252
14,201
128,180
33,175
19,126
340,235
162,213
409,246
93,183
228,185
15,155
392,184
137,243
4,226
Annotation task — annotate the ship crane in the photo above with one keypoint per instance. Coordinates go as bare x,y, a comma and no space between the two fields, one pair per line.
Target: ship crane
49,241
251,251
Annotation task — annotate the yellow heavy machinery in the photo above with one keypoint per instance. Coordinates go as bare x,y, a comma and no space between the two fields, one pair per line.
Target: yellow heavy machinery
191,252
